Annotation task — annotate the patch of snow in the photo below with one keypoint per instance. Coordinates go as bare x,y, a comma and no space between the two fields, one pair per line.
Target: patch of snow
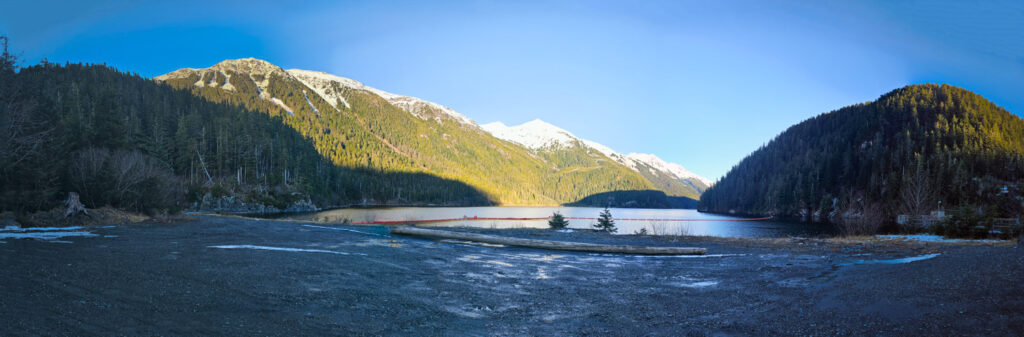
44,235
699,284
310,103
344,229
39,229
500,263
284,249
687,282
199,82
227,82
282,105
894,261
466,311
542,274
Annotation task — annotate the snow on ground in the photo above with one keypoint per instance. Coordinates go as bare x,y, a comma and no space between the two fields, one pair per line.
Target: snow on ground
931,238
282,105
227,82
39,229
895,261
344,229
310,103
686,282
51,234
284,249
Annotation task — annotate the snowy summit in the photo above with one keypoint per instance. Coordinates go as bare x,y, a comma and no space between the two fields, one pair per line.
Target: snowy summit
534,135
538,135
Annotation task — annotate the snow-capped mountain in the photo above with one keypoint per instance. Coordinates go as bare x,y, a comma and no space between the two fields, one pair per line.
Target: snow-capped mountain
329,87
539,135
534,135
356,125
671,168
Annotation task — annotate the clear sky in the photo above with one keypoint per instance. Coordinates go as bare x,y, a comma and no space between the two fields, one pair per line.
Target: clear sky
700,83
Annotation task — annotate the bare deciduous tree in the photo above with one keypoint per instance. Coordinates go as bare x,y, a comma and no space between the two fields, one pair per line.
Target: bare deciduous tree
917,197
857,216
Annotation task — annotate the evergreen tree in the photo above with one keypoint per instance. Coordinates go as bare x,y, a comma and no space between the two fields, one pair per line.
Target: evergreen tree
904,153
605,222
558,221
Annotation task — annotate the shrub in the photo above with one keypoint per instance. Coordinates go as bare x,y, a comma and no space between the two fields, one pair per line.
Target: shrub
126,179
865,221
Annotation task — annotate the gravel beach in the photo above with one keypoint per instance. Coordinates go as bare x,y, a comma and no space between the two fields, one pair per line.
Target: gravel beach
246,277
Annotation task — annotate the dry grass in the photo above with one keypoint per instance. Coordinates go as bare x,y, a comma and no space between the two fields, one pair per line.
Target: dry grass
97,216
874,240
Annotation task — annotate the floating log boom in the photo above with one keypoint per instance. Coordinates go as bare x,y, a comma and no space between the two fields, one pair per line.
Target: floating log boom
547,244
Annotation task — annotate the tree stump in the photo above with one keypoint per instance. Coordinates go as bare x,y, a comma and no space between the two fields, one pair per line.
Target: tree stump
74,206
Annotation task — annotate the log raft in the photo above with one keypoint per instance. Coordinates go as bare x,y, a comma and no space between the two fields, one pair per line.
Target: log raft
547,244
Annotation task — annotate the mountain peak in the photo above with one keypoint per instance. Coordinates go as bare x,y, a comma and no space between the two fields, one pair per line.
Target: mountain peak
539,135
672,168
249,65
535,134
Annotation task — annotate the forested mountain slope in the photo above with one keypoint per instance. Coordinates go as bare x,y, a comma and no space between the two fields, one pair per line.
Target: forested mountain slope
357,126
915,149
249,129
127,141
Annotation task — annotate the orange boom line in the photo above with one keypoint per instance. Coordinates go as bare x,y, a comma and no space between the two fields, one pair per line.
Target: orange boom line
396,222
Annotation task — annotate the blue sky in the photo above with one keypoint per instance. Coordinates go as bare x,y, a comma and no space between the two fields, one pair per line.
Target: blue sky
700,83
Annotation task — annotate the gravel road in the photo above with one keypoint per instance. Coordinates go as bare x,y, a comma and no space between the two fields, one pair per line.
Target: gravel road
232,276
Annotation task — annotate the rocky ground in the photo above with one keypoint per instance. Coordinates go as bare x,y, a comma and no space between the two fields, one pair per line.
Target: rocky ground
233,276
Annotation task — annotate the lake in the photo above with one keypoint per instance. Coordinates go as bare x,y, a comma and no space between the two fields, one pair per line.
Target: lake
629,220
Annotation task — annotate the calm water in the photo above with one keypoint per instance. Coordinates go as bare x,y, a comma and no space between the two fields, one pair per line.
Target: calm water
706,224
